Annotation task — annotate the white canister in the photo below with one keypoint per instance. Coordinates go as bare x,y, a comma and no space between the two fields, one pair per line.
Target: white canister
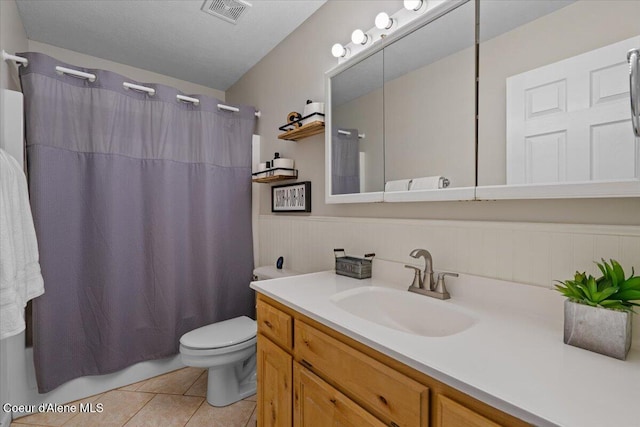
313,107
261,167
283,163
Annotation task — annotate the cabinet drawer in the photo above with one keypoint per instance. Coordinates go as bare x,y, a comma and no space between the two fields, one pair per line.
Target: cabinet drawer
275,324
317,404
391,396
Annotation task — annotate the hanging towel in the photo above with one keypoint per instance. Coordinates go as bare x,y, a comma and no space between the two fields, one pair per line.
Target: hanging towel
397,185
429,183
20,278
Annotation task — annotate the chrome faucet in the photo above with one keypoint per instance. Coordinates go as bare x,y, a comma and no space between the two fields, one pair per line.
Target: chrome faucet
432,289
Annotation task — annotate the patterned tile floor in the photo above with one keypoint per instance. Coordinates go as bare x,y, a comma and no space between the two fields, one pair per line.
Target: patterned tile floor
174,399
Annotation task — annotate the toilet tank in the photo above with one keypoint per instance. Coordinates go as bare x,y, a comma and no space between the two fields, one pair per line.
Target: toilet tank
271,272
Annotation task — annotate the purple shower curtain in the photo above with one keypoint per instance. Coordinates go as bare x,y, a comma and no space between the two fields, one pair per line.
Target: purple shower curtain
345,161
142,208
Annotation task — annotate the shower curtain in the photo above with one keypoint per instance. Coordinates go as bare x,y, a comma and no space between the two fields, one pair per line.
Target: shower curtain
142,208
345,162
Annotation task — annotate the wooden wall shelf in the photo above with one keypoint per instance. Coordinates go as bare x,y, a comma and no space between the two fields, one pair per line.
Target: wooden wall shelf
279,174
304,131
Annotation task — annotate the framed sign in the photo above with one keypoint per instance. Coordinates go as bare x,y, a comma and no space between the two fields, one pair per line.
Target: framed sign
291,197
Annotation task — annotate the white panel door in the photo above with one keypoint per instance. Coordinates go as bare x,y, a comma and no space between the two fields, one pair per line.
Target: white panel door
570,121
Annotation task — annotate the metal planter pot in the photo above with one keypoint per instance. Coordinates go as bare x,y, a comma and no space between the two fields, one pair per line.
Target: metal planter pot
597,329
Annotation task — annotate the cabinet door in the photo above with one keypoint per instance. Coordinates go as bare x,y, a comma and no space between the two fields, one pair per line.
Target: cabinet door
452,414
317,404
274,385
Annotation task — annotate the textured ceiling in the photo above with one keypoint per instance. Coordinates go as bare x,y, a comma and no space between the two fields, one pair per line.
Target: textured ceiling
174,38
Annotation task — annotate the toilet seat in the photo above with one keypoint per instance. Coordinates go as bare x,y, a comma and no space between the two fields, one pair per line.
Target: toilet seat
190,351
221,335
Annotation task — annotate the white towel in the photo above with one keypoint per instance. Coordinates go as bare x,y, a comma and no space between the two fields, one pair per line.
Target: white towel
20,278
428,183
397,185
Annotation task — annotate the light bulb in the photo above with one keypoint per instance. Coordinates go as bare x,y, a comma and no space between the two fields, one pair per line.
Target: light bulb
383,21
359,37
339,51
414,5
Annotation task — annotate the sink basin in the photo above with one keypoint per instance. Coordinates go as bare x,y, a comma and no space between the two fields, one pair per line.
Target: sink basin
403,311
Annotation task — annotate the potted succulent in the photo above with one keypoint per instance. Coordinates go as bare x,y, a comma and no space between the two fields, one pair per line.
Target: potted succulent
598,311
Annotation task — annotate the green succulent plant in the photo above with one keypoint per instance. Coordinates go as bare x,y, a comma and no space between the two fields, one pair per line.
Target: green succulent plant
611,290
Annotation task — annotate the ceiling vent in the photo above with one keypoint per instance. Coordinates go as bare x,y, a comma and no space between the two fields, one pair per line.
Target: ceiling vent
228,10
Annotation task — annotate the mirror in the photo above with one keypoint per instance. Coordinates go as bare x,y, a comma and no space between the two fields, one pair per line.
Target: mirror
357,151
429,103
554,93
405,113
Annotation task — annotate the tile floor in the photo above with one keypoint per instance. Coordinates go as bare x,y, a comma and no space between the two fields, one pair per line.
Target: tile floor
174,399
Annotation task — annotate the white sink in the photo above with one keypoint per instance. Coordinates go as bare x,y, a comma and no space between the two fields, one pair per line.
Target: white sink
403,311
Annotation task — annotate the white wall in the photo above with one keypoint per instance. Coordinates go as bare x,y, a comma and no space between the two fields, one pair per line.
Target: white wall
294,71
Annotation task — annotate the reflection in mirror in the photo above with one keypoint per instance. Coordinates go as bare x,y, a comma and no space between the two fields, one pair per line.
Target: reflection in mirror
357,152
429,104
554,91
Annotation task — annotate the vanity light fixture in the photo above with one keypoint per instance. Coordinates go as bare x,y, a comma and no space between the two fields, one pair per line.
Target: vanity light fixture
339,51
414,5
384,21
360,37
386,24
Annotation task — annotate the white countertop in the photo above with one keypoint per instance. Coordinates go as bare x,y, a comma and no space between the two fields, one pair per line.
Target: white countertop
512,358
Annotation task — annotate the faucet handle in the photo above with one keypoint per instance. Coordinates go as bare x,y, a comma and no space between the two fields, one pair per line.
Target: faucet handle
417,277
440,286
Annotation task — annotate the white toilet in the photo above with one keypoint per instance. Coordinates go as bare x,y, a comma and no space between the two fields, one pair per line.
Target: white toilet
228,350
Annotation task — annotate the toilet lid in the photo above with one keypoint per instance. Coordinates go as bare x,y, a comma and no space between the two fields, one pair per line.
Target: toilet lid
221,334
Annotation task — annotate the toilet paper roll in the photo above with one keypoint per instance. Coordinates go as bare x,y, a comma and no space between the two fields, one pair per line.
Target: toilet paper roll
314,107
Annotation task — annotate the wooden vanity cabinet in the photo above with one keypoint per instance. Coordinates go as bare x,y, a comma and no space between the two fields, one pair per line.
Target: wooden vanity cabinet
310,375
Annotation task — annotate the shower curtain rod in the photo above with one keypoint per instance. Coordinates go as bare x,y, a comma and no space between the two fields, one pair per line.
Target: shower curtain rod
92,77
20,60
346,132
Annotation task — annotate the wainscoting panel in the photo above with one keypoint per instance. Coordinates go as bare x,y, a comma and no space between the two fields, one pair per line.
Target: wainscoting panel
531,253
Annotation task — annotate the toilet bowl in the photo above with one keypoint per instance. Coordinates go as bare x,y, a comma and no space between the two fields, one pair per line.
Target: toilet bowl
228,350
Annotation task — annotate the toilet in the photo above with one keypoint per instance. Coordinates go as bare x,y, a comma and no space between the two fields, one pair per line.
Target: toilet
228,350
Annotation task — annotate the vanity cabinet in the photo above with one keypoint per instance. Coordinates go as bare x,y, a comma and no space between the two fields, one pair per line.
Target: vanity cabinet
311,375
